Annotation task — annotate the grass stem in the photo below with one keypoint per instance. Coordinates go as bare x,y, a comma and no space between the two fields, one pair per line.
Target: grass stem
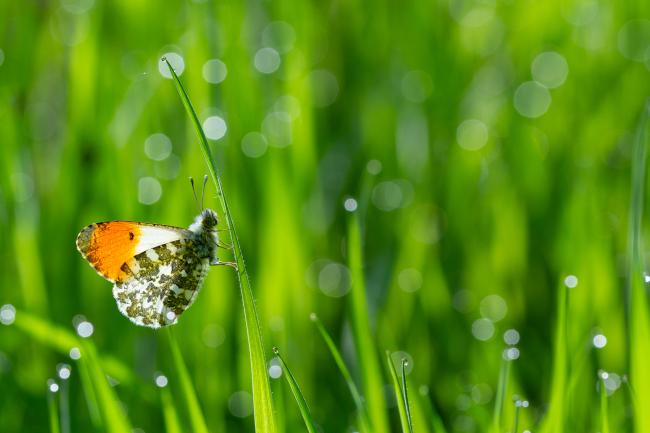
262,402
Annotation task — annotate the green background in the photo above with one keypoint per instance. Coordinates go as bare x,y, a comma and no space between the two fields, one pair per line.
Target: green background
483,170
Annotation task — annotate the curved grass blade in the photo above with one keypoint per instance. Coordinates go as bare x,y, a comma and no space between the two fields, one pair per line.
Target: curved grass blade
401,395
300,399
262,402
103,403
189,396
356,396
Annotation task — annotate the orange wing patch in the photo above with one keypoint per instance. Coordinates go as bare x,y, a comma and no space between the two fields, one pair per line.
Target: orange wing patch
108,246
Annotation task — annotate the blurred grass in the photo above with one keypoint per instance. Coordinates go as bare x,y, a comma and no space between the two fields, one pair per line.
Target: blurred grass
370,103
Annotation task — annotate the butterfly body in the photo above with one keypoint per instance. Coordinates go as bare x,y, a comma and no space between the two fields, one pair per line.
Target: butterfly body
157,270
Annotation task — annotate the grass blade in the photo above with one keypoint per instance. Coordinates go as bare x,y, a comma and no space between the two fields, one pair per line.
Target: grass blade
407,406
504,374
437,426
400,395
172,424
262,402
358,401
365,347
189,395
300,399
604,416
638,317
556,416
103,403
52,409
113,415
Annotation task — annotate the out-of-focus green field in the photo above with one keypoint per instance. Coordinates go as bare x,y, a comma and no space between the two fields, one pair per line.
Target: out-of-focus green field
486,147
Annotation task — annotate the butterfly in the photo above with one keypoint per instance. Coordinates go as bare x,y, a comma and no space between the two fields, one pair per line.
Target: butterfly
156,270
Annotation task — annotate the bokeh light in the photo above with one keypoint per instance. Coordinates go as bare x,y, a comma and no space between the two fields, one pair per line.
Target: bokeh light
267,60
215,127
149,190
550,69
214,71
532,99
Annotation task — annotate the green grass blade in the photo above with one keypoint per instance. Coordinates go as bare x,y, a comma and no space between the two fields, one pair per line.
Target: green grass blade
115,420
356,396
504,374
639,319
437,426
90,395
407,406
103,404
262,401
189,395
300,399
554,422
53,412
400,395
604,416
365,347
172,424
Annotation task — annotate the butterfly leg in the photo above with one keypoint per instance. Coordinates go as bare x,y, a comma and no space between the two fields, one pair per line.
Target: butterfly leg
218,262
225,246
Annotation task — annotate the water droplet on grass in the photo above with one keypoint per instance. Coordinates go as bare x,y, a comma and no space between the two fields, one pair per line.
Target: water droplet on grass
64,371
599,341
85,329
7,314
175,60
350,204
160,380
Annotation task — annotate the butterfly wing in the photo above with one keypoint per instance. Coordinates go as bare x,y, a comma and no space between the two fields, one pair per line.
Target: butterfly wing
162,282
108,245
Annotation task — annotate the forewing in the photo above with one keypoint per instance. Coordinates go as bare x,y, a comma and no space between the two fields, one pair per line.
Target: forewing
108,245
161,283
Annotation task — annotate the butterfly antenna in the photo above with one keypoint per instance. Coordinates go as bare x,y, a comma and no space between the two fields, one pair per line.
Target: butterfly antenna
196,199
205,180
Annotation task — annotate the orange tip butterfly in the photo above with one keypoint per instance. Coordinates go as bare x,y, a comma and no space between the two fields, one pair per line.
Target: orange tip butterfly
156,270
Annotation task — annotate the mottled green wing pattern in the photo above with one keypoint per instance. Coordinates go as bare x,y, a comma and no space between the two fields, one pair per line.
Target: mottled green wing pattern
162,282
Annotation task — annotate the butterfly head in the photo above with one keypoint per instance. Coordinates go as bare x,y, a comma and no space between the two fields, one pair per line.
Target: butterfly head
206,221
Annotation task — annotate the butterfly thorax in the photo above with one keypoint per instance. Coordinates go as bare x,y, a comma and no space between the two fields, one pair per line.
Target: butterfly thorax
205,234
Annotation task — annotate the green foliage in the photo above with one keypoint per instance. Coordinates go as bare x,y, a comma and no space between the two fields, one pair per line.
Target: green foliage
297,394
401,394
423,176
